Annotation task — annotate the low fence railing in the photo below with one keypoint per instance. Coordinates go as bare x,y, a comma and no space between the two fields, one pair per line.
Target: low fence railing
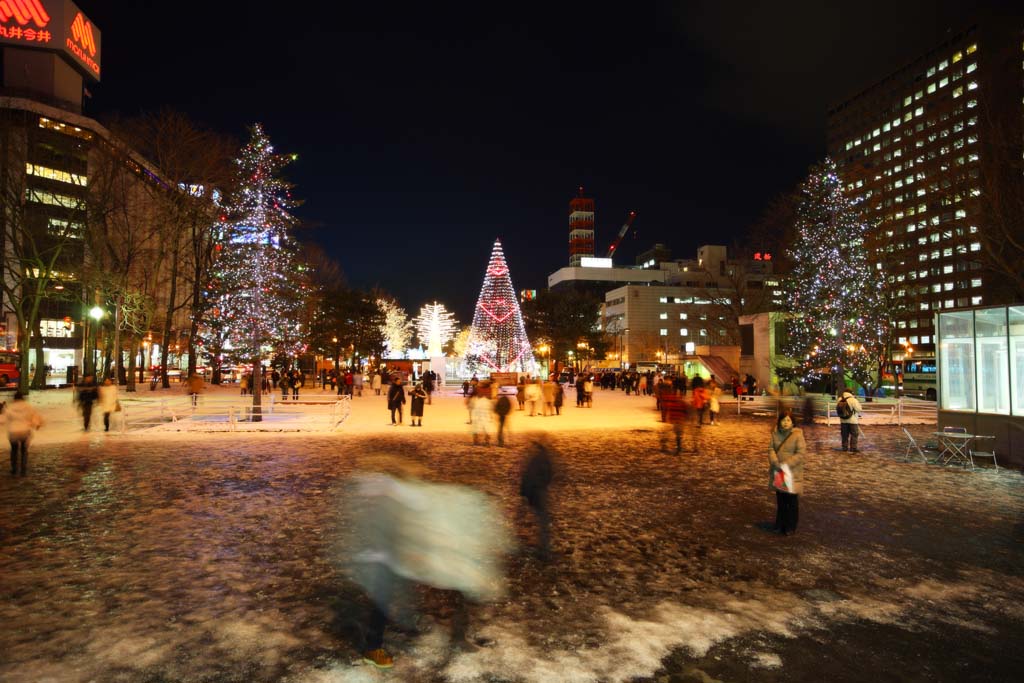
898,412
220,413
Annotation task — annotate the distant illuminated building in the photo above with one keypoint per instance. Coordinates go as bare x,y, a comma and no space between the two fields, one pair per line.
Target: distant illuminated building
928,150
581,228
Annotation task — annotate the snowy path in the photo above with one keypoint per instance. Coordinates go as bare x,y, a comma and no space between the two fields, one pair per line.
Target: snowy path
209,558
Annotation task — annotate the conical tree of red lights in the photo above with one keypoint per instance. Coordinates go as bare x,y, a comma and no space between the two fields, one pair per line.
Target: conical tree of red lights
497,340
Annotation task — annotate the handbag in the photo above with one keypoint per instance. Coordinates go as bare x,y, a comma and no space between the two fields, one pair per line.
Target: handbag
117,407
782,479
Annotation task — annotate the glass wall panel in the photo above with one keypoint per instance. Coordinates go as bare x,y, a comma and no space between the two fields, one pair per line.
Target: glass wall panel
992,357
1016,316
956,377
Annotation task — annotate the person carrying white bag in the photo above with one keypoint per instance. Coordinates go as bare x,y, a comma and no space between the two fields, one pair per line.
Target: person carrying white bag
785,472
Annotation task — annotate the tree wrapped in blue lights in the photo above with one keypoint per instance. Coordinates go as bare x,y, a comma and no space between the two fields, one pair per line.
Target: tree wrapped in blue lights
497,340
836,292
258,284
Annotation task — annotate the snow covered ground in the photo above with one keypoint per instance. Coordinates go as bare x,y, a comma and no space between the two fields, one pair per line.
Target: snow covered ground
211,557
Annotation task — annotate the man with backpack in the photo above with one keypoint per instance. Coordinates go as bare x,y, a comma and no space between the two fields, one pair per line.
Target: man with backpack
848,408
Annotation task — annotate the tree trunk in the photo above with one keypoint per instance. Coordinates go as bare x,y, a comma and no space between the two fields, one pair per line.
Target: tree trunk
257,389
118,361
133,350
168,317
39,377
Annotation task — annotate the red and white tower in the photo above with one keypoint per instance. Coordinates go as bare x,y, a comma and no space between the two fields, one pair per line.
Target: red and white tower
581,228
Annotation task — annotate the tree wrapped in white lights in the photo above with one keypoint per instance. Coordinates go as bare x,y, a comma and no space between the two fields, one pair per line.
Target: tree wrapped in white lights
435,327
397,328
257,283
840,322
498,342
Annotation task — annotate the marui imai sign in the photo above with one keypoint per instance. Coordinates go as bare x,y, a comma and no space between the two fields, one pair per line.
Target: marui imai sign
56,25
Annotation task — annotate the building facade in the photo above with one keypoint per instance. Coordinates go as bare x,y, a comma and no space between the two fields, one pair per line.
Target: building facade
67,183
695,307
927,150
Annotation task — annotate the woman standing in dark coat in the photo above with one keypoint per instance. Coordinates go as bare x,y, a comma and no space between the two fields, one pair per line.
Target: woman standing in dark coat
417,398
396,399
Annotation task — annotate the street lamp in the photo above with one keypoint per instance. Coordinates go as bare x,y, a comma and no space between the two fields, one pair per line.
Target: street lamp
96,313
622,346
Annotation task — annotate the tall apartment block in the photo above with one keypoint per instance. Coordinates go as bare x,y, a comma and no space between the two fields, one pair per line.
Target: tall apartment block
581,228
922,149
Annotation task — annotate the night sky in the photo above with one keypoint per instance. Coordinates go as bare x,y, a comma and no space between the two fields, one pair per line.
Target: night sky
425,131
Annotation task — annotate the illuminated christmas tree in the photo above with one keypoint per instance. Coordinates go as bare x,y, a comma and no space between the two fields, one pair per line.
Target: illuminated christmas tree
498,342
257,286
397,328
836,292
435,327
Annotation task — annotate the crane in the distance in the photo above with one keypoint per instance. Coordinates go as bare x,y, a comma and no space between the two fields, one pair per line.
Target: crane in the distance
622,233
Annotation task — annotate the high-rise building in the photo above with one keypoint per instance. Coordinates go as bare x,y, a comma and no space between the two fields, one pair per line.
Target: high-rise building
61,176
925,150
581,228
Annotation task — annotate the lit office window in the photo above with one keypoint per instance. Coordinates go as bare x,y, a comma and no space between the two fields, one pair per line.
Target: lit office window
663,332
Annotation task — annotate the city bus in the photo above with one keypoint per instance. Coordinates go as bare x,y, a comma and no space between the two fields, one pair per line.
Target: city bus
911,377
10,367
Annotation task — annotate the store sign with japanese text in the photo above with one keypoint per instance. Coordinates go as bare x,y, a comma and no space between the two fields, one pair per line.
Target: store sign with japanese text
56,25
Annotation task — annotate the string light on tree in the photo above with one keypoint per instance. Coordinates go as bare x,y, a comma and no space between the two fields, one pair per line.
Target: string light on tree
397,328
497,341
836,293
257,285
435,326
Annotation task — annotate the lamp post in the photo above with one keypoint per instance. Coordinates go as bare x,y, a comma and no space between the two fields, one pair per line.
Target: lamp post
96,313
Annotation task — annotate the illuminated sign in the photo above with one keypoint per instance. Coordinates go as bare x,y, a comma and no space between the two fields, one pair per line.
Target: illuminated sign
55,25
762,257
527,294
591,262
23,12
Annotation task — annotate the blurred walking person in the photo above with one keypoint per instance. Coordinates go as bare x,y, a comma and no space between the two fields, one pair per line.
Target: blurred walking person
786,468
502,408
428,385
107,401
533,395
714,405
481,410
547,390
376,382
673,409
700,399
533,487
86,396
21,419
407,530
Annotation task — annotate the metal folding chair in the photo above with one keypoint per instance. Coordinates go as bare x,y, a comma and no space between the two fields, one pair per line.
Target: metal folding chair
985,454
913,447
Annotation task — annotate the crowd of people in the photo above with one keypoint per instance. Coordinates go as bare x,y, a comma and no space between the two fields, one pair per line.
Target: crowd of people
412,522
